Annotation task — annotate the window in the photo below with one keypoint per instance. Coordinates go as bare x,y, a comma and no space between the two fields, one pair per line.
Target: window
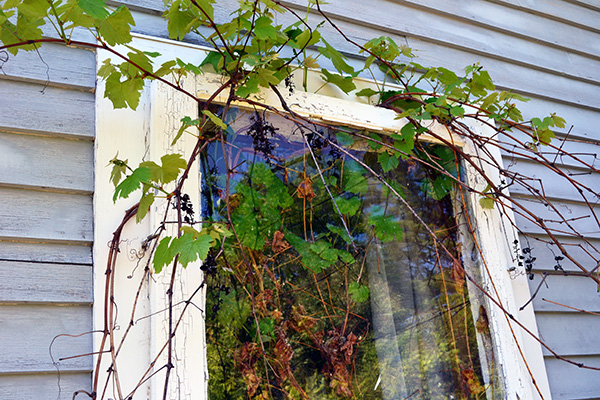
418,318
366,304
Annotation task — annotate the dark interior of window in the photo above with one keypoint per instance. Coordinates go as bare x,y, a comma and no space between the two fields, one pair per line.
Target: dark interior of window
340,291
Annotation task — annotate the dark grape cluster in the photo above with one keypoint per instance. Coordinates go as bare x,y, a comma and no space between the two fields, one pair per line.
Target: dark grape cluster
289,83
317,141
209,266
260,130
187,208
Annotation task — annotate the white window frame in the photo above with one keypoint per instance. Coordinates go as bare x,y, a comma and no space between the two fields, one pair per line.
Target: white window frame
146,133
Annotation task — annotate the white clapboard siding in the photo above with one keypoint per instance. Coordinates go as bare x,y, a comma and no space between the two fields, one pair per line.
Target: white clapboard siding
577,215
27,332
44,386
47,124
565,332
556,9
590,4
498,17
559,187
40,251
22,282
569,291
46,110
53,64
147,6
46,162
583,153
571,382
545,254
51,216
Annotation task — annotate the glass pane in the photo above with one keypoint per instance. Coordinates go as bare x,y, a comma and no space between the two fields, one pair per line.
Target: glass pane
382,313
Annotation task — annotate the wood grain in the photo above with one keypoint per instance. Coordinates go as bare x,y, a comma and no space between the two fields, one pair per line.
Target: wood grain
46,162
27,333
43,282
46,110
44,387
45,215
54,64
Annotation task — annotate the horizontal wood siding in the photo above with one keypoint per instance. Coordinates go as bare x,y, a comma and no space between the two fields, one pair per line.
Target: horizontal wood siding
43,386
28,332
47,110
54,64
47,124
46,162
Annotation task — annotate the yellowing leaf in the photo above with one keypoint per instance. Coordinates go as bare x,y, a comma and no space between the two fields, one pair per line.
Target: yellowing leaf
215,120
310,62
487,202
169,171
115,29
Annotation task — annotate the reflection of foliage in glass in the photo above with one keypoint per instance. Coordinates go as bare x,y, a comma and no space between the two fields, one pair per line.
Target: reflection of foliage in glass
307,301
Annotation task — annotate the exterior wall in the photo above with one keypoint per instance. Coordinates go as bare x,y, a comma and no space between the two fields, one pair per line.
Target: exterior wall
46,182
547,50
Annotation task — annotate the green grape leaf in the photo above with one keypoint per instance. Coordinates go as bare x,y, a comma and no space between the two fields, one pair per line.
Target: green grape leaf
345,83
163,254
191,249
132,183
172,164
33,9
385,226
119,169
145,204
141,59
115,29
338,60
178,21
340,231
310,259
249,87
388,161
359,293
367,92
215,120
487,202
266,77
557,121
457,111
355,182
165,68
264,29
94,8
348,206
344,139
123,94
305,39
